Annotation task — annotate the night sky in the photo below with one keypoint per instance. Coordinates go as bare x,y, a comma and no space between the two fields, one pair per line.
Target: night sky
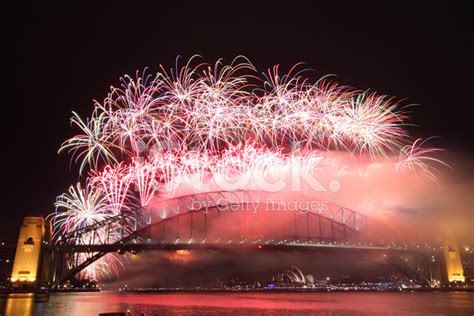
67,55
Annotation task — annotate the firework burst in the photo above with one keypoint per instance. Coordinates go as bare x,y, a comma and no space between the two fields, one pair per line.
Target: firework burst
221,122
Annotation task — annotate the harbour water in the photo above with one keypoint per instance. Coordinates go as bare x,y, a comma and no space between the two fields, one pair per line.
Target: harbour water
367,303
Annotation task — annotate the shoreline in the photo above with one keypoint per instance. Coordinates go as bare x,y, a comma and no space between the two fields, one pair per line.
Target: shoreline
216,291
294,290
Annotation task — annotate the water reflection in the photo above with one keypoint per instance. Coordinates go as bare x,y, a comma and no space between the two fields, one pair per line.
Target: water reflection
18,304
423,303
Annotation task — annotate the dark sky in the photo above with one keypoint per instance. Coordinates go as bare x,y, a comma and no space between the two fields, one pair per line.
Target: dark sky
66,55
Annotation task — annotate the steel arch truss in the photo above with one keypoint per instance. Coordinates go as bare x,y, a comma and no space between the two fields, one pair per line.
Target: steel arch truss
134,229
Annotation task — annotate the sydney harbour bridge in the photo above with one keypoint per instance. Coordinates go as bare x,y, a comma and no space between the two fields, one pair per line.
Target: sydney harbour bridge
228,221
199,126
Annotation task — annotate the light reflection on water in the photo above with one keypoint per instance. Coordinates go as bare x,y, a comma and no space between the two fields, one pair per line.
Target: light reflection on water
425,303
18,304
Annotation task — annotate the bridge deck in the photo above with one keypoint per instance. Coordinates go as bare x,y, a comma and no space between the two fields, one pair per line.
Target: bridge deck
231,246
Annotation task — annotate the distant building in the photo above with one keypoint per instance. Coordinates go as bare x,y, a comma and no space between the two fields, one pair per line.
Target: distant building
7,253
295,276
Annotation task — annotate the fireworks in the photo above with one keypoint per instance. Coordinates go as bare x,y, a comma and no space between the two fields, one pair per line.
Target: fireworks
80,208
210,109
417,159
223,122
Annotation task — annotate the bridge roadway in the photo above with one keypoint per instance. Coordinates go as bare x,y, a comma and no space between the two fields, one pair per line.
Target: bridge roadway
236,246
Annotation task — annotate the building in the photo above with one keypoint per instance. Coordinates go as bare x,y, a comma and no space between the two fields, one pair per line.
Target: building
452,257
27,266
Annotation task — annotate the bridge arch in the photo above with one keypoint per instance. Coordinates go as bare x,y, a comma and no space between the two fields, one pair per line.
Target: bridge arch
205,218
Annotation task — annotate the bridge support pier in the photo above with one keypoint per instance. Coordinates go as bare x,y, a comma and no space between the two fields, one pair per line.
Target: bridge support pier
32,264
424,269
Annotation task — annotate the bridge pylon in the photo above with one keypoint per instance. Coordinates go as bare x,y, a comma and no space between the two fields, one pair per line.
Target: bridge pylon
32,264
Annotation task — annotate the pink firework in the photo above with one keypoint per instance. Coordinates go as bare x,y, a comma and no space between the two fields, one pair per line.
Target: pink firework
196,123
114,182
415,158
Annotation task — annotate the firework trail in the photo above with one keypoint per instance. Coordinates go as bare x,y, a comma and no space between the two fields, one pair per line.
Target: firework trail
224,122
